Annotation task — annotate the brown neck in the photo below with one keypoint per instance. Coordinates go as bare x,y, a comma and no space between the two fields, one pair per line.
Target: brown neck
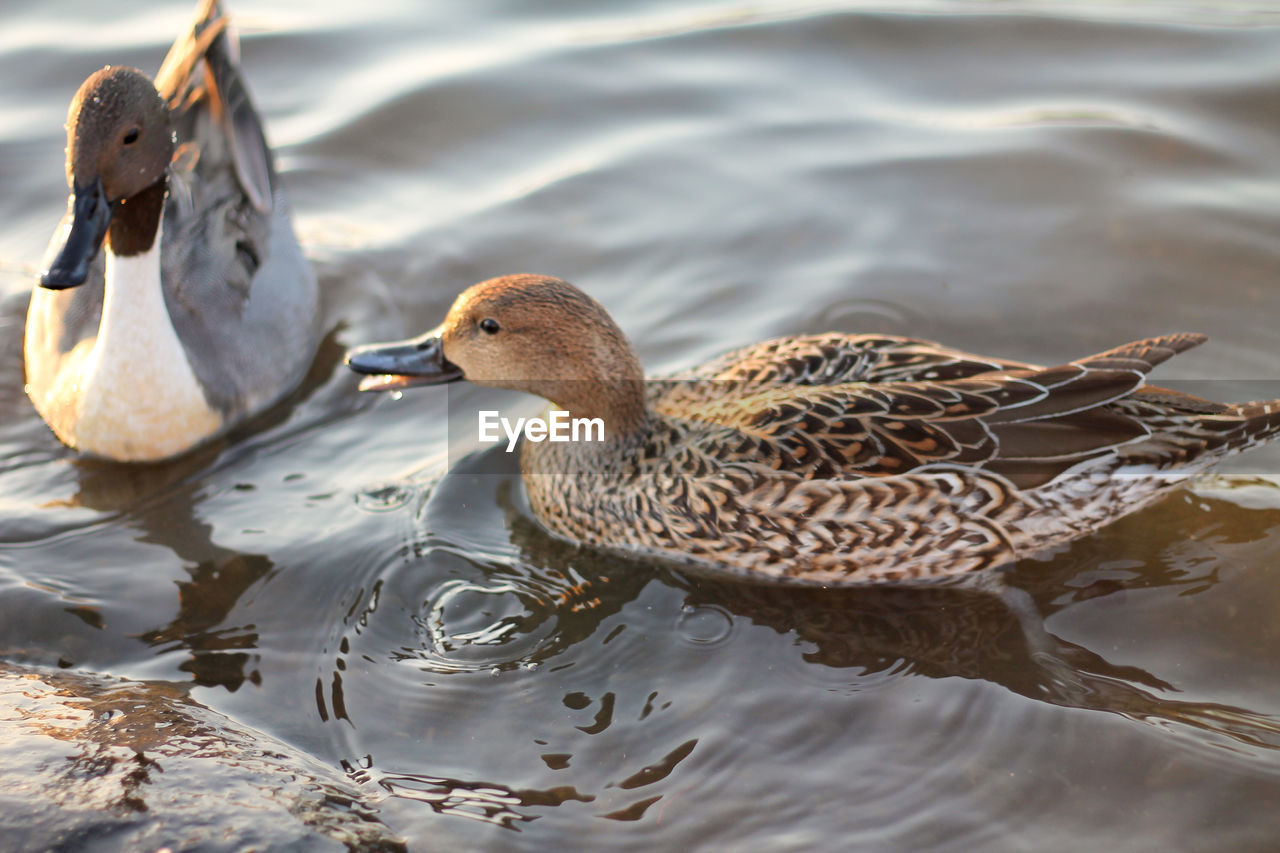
620,403
135,220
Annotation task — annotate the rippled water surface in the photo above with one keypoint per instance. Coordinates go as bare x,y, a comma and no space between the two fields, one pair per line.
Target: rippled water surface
1034,180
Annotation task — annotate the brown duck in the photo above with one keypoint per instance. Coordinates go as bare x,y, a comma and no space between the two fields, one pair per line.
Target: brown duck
827,458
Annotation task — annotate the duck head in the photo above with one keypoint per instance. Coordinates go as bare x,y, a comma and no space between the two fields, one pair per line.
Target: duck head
529,333
119,145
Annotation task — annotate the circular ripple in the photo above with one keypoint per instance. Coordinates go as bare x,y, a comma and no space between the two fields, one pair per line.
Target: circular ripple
704,625
384,498
475,625
865,316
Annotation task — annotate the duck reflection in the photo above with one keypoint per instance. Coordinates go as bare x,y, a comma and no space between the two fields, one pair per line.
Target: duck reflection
973,633
161,501
989,627
531,599
163,506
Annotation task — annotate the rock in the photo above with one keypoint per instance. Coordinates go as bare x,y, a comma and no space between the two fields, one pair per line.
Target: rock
102,763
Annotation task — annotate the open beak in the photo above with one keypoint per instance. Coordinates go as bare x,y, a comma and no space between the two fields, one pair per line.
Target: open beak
403,364
79,244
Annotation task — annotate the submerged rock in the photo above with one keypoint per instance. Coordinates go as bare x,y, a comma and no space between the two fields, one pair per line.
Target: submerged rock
98,763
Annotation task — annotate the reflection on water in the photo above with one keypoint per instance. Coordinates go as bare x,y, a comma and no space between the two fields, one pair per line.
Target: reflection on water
548,609
341,575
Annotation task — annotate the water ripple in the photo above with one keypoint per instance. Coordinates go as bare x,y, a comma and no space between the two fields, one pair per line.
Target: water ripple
707,625
472,626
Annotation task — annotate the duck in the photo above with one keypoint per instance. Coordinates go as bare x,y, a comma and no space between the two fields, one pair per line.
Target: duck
175,301
827,459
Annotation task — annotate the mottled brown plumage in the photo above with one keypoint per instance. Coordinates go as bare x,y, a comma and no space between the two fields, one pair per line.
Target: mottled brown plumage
826,458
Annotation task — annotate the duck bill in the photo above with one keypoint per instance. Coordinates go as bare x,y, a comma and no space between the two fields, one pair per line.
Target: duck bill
75,248
403,364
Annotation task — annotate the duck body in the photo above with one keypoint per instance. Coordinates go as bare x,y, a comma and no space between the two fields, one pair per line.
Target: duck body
200,311
830,459
746,466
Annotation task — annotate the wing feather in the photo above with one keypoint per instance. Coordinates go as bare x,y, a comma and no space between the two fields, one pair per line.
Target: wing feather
1027,423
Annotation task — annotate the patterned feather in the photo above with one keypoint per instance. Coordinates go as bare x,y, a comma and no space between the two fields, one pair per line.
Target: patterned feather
837,459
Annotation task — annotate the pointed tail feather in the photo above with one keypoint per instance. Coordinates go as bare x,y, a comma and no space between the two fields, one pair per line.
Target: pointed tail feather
173,79
1151,351
1093,381
1236,427
1261,421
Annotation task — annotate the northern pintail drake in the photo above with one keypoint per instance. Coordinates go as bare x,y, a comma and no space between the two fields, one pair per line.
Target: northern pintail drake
827,458
193,307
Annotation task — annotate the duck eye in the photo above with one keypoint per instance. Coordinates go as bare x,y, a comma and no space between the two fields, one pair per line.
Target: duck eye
489,326
131,137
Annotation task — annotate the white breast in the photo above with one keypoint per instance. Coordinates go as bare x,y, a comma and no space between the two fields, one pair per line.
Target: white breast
138,397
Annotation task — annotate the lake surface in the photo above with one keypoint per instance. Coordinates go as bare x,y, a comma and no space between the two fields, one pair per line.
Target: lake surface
352,576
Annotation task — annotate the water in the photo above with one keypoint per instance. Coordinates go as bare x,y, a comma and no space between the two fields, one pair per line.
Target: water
1034,180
